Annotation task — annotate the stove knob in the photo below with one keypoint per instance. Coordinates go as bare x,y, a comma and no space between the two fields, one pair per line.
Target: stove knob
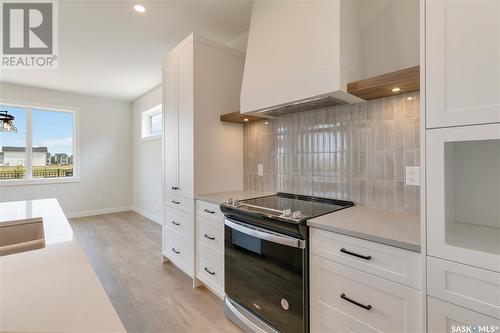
287,213
297,214
236,202
229,201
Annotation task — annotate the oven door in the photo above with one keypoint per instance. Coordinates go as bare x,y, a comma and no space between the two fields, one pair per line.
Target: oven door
266,273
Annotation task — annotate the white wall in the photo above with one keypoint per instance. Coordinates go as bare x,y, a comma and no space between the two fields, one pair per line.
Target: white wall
240,42
105,153
147,165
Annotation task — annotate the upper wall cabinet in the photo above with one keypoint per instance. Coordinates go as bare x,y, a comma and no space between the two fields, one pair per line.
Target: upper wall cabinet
462,62
305,50
201,81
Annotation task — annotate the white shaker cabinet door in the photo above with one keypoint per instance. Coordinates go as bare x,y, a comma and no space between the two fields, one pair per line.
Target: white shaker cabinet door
170,119
462,62
185,122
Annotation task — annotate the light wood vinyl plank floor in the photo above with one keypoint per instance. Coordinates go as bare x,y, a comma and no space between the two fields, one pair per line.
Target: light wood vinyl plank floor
148,295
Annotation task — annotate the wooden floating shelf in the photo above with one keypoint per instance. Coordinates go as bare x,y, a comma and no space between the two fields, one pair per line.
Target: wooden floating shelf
236,117
408,80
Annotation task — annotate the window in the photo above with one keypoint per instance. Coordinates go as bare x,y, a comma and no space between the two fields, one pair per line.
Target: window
151,123
42,150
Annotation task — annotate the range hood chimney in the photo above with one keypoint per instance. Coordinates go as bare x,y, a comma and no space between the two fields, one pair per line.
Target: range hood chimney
300,56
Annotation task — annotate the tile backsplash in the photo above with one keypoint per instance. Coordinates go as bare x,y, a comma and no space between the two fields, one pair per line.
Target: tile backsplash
354,152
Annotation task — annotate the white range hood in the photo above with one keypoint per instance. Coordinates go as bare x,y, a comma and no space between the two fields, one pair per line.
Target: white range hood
301,54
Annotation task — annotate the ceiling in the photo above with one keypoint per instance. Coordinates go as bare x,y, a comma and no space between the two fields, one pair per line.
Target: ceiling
108,49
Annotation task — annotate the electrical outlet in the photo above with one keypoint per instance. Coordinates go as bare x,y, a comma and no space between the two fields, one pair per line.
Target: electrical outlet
412,176
260,170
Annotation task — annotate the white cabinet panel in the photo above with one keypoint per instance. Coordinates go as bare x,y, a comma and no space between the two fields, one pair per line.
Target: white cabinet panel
210,233
443,317
382,305
179,221
209,210
178,202
179,249
385,261
321,323
463,192
170,122
472,287
210,269
462,62
185,122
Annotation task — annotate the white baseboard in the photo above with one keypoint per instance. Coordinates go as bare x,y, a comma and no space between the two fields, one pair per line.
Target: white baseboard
98,212
148,215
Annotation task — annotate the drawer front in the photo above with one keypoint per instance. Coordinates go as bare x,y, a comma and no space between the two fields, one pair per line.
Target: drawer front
182,203
361,301
210,268
210,233
319,323
474,288
179,249
385,261
444,317
208,209
179,221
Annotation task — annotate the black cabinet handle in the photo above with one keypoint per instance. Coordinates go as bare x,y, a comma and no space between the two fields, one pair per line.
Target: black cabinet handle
175,202
209,272
207,236
366,307
355,254
209,211
175,251
175,223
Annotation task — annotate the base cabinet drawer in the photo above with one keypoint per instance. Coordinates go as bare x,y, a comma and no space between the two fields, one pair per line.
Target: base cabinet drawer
444,317
210,268
324,324
361,301
471,287
389,262
208,209
179,221
210,233
179,202
179,249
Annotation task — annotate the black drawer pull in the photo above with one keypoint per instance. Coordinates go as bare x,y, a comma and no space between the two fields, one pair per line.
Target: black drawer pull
366,307
209,211
355,254
175,223
175,251
207,236
174,188
209,272
175,202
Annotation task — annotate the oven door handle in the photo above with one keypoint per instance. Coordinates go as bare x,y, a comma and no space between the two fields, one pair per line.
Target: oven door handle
265,235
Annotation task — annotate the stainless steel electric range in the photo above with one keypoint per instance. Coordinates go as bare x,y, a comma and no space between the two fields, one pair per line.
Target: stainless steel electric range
266,260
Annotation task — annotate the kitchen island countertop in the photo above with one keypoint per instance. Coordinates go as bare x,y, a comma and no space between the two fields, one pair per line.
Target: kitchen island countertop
53,289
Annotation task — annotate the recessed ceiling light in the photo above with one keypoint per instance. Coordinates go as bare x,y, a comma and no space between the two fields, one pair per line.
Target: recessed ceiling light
139,8
266,122
246,119
410,98
396,89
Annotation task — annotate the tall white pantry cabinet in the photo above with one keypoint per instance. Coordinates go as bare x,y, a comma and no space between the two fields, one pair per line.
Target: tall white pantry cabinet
201,81
462,135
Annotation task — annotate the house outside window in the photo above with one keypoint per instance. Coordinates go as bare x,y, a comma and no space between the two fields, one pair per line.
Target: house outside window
152,123
43,148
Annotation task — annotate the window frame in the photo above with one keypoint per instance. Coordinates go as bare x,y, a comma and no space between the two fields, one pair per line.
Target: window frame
28,108
146,119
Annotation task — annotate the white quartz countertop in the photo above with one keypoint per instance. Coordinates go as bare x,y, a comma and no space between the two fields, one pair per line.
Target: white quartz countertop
221,197
53,289
391,228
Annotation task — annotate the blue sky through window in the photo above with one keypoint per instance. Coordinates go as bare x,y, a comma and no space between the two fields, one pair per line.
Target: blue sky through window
51,129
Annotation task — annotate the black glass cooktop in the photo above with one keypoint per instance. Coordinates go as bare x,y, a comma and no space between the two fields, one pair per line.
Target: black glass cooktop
307,205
